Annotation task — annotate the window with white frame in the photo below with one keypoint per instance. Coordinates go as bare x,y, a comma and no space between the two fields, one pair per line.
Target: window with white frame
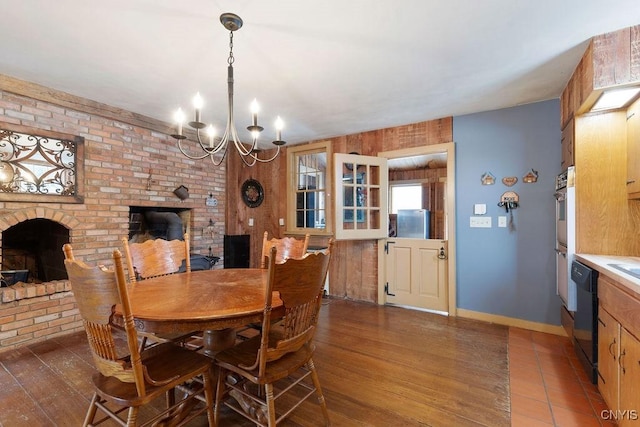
309,184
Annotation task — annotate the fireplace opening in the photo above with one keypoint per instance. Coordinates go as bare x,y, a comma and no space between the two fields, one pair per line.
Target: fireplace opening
35,245
147,223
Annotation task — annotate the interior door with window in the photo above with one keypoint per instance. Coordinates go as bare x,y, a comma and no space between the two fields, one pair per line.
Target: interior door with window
414,259
416,252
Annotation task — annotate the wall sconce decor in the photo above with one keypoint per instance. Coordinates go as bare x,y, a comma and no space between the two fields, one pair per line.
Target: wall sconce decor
181,192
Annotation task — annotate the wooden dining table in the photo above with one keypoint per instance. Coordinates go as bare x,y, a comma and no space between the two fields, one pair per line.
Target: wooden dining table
214,301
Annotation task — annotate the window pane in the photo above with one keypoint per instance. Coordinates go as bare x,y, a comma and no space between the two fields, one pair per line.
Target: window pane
406,197
310,179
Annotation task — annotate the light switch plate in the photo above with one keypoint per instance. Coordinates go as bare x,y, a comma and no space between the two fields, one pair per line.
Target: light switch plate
250,222
502,221
480,222
479,209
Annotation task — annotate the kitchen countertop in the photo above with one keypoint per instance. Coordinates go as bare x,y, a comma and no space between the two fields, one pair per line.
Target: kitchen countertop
600,263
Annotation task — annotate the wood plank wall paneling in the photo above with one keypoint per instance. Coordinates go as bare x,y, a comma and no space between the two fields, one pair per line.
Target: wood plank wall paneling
272,176
353,271
606,221
634,72
612,59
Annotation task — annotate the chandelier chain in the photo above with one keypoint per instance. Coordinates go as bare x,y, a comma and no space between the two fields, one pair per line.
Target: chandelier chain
231,59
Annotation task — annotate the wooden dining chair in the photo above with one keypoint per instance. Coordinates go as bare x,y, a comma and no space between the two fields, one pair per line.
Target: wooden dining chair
156,257
128,379
160,257
254,374
287,247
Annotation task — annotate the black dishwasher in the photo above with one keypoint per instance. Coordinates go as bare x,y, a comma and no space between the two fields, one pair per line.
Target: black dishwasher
585,327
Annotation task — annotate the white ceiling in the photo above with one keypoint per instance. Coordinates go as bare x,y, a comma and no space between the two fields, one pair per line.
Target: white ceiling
330,67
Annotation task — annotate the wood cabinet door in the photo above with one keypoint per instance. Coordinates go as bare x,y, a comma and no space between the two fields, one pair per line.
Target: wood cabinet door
608,350
629,409
633,151
567,143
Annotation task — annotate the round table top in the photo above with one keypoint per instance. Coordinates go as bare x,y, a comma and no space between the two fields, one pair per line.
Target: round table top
207,299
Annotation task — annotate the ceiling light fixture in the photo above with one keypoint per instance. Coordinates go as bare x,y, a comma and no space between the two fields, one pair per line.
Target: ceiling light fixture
614,99
214,146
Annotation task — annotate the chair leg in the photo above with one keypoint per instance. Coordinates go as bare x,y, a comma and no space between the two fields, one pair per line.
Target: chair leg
219,393
316,383
132,416
143,344
208,389
271,405
91,412
170,397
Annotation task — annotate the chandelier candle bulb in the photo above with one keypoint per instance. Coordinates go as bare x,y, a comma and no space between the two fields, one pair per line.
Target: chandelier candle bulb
179,118
197,103
254,112
279,126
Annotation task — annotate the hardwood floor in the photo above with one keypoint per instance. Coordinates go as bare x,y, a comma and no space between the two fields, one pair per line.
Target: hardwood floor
379,366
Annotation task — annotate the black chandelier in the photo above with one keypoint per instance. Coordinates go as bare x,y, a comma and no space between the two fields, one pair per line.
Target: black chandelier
215,146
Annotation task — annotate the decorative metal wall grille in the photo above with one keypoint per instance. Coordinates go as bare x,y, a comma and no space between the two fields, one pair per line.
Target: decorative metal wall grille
32,164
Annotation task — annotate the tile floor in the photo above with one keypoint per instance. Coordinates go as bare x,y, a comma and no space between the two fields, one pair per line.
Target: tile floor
548,385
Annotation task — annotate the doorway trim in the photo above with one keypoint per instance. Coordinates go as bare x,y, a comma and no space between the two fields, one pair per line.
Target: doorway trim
449,148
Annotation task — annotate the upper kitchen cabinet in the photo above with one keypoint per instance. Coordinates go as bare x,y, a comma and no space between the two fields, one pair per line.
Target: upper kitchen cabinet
597,143
610,61
633,151
567,143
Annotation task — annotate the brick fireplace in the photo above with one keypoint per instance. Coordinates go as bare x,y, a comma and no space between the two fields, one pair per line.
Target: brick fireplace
125,165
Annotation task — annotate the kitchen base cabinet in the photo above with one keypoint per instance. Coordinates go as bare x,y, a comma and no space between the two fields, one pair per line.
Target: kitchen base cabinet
608,350
619,352
629,362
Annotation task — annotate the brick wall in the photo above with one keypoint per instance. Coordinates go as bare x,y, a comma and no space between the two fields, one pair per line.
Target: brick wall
119,158
34,312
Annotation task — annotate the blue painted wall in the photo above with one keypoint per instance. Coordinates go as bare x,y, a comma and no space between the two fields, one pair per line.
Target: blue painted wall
503,272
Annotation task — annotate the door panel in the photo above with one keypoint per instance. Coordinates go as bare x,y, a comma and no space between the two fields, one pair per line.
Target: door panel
416,273
608,351
629,362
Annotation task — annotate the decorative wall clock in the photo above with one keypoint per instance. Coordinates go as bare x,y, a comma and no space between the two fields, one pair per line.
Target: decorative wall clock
349,166
252,193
